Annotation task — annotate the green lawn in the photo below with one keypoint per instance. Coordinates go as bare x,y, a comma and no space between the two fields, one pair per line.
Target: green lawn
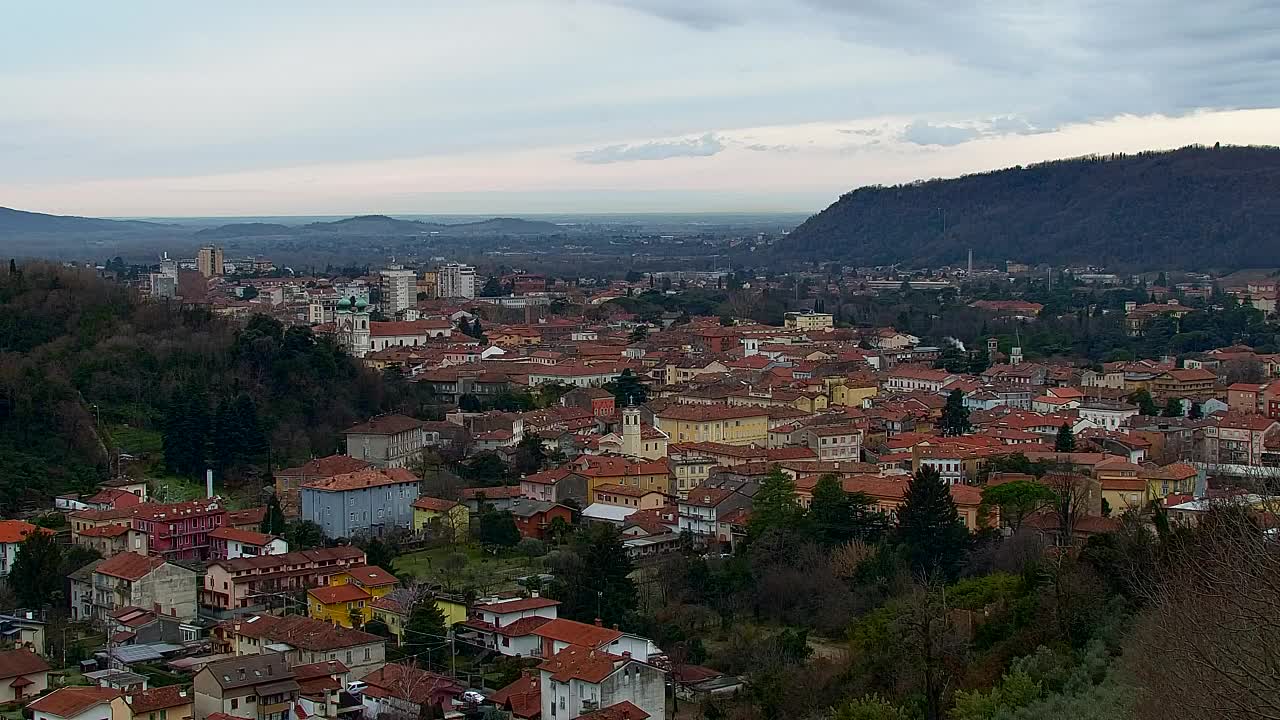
482,571
136,441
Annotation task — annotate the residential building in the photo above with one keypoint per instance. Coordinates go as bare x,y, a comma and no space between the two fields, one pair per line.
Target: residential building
534,517
1105,414
12,533
23,674
322,691
578,682
1248,398
349,595
393,609
23,631
210,261
556,485
832,442
254,687
627,496
507,627
139,626
252,583
700,513
407,333
386,441
289,480
367,502
442,518
144,581
179,531
169,702
455,280
809,320
906,378
729,424
1186,384
561,633
405,691
228,543
399,289
301,640
522,698
1232,439
81,703
112,539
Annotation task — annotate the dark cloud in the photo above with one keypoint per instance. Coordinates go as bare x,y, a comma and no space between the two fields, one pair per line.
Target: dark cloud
704,146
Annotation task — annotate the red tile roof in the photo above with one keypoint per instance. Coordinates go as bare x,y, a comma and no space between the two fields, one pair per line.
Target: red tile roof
578,662
70,701
624,710
159,698
20,662
523,698
518,605
384,425
301,632
434,504
108,531
407,327
371,576
362,479
325,467
129,566
576,633
248,537
15,531
333,594
410,683
709,413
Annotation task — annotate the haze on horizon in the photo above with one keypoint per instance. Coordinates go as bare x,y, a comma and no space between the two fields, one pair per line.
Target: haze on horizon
523,106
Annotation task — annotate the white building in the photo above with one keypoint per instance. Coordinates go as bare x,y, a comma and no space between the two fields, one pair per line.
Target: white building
1105,415
399,289
580,680
455,280
508,627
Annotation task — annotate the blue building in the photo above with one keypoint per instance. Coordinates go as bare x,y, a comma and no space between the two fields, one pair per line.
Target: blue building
373,501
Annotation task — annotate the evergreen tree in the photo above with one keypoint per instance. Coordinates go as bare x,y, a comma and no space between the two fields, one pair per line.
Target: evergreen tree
1066,440
35,577
226,439
492,288
187,431
252,438
929,526
628,390
477,330
775,505
955,416
273,523
530,455
498,528
1146,404
835,517
1196,412
426,629
639,333
1173,408
599,584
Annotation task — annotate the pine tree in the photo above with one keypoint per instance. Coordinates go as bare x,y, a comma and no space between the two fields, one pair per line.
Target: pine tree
955,416
1196,412
1173,408
628,390
775,505
1146,404
273,523
1066,440
425,629
929,525
600,585
226,438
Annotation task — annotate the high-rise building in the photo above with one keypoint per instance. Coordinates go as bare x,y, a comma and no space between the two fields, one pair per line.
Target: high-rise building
209,261
457,281
399,289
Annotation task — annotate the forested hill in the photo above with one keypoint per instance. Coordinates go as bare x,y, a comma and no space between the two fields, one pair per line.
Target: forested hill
89,369
1193,208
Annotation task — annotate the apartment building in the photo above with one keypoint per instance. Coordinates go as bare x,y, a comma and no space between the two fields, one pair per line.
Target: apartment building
250,583
455,280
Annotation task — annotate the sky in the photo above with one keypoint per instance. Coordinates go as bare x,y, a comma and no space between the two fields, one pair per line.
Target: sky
134,108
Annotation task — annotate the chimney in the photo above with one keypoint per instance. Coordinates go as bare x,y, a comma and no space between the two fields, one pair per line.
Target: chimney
599,622
208,483
533,593
615,626
626,654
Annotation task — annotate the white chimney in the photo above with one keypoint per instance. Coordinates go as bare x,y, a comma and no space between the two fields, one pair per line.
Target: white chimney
208,483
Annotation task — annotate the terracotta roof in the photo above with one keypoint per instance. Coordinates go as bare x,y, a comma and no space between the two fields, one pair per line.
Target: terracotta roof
303,633
576,633
332,594
108,531
578,662
20,662
158,698
371,576
271,563
627,490
325,467
523,698
15,531
362,479
320,669
708,413
548,477
249,670
71,701
410,683
407,327
130,566
491,493
434,504
248,516
624,710
247,537
518,605
706,497
384,425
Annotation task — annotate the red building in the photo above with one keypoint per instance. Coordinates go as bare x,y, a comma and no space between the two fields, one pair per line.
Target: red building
179,531
533,517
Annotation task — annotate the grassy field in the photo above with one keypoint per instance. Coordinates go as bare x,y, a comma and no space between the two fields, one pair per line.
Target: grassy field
144,444
472,568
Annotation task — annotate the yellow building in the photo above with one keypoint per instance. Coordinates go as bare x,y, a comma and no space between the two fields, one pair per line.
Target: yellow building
809,320
646,475
442,517
393,610
350,594
850,393
729,424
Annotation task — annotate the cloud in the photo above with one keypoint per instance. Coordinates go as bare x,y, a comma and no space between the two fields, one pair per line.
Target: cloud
705,146
924,133
763,147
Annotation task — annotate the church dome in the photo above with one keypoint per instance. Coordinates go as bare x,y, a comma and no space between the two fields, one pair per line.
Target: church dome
361,304
344,303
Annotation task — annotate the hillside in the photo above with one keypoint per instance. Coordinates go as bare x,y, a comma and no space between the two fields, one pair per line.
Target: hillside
236,230
1192,208
21,221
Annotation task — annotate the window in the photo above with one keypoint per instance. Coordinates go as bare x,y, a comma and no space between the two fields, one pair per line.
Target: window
348,658
366,650
235,704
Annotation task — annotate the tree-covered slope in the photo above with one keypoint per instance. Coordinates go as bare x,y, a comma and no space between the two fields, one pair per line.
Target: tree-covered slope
1191,208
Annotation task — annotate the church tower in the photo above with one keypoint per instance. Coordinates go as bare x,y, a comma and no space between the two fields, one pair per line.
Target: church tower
351,321
631,431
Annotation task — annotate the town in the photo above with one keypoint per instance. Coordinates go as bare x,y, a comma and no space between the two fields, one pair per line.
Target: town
591,498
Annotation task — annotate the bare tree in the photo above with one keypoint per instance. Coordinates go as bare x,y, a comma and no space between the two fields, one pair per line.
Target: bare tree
930,641
1208,644
1073,497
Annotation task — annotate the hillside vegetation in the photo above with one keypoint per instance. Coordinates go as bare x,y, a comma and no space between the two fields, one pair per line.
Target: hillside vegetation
1193,208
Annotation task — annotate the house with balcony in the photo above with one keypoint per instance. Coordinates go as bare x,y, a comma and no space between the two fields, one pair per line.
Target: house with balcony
700,513
179,531
582,682
141,581
253,583
367,502
290,480
508,627
350,595
555,485
832,442
228,543
253,687
300,640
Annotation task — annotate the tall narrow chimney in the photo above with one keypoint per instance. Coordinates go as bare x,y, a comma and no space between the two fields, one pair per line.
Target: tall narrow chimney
208,483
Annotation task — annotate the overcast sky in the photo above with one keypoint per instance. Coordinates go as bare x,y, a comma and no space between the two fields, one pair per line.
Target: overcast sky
495,106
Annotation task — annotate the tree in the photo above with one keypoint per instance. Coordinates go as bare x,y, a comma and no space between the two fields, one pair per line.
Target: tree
955,416
597,582
1016,500
1173,408
1146,404
492,287
929,524
628,390
425,630
775,505
303,535
836,517
379,554
1196,412
469,403
869,707
498,528
273,523
1071,496
35,577
1066,440
530,455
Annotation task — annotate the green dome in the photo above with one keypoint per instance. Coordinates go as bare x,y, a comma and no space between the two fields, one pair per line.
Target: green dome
361,304
344,303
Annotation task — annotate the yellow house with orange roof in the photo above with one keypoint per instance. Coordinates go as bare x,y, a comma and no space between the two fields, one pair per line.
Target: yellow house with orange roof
350,594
